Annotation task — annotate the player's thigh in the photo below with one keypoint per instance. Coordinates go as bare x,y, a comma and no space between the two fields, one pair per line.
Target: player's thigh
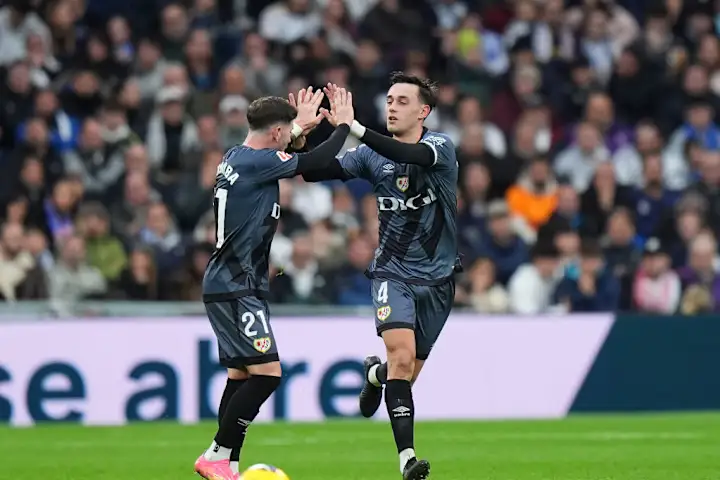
244,334
394,304
434,306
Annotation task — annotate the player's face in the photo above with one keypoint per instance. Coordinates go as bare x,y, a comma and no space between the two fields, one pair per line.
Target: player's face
281,135
404,109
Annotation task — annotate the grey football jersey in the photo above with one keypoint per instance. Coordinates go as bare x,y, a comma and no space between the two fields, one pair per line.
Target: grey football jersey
417,208
246,213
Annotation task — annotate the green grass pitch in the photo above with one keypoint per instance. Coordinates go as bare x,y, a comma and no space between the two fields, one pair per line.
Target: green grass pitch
642,447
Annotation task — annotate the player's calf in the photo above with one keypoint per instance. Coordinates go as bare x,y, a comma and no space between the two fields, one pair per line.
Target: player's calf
400,345
241,410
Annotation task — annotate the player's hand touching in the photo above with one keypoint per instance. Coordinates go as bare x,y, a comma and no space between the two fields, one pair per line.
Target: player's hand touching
307,103
341,106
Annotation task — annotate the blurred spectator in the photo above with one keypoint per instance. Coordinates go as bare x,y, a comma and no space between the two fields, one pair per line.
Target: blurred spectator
103,250
190,276
64,130
579,161
59,209
200,61
149,67
233,126
349,284
622,251
301,281
99,165
17,22
287,21
656,288
161,233
503,245
700,281
594,288
262,72
534,197
17,105
129,212
483,293
21,277
601,198
174,26
653,202
194,191
708,187
532,285
37,245
72,279
139,280
681,225
170,131
508,104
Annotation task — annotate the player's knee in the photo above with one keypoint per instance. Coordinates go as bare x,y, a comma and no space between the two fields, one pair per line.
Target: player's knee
401,362
272,369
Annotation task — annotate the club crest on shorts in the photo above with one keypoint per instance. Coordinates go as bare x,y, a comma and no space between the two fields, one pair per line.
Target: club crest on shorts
403,182
263,344
383,313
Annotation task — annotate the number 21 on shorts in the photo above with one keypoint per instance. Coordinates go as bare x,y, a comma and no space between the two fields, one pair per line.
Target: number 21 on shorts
382,295
248,319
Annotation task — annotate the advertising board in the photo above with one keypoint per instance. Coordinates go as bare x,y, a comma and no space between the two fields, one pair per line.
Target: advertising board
114,371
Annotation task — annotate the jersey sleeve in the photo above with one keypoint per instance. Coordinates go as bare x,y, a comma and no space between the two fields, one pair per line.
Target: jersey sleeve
355,162
443,149
274,165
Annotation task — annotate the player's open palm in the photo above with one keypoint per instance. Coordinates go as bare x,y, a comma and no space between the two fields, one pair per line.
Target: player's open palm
307,103
341,107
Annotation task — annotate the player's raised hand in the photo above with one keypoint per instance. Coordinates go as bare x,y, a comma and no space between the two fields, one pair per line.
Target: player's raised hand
341,107
307,103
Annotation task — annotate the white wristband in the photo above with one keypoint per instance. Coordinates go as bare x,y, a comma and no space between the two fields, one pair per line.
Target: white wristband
357,130
296,131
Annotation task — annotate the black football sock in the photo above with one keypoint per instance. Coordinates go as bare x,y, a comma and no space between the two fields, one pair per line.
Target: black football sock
242,409
380,374
230,388
400,407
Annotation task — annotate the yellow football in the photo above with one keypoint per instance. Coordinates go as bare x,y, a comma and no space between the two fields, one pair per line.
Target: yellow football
263,472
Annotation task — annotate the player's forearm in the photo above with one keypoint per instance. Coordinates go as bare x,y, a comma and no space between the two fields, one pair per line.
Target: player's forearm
400,152
333,171
324,155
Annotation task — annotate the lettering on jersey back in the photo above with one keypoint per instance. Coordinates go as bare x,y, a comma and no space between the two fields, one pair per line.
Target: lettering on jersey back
228,172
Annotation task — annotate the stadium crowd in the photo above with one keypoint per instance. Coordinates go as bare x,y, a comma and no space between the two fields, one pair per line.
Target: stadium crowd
585,133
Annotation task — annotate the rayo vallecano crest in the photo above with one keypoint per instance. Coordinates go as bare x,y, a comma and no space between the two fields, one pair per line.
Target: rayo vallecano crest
403,182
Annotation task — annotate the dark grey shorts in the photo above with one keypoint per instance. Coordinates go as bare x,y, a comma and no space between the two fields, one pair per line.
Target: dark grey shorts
243,331
422,308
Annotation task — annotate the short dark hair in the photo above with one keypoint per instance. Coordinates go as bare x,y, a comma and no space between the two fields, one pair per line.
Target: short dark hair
267,111
544,248
112,105
428,89
590,248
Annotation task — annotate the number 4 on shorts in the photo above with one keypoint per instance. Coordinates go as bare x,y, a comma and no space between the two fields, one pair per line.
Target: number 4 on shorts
382,295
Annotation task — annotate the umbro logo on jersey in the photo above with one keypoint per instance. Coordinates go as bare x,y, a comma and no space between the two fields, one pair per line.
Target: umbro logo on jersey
388,168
